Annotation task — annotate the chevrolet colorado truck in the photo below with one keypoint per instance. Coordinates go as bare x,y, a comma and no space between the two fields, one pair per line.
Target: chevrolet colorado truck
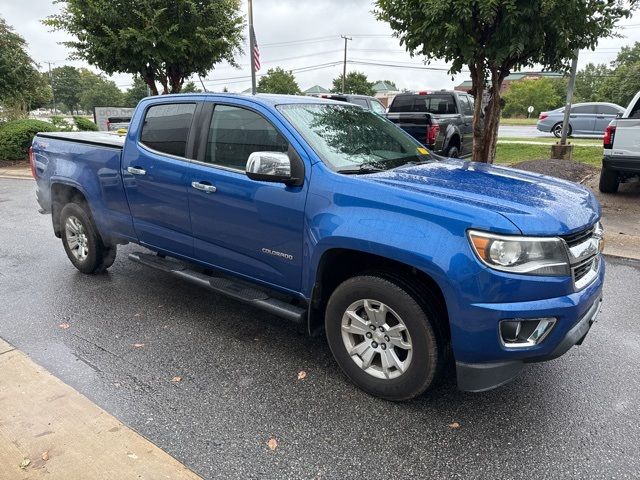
442,120
330,216
621,161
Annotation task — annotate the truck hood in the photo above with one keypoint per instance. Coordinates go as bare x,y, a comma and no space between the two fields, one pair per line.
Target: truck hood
536,204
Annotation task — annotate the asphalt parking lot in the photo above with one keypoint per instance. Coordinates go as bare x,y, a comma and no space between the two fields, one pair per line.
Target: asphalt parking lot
123,337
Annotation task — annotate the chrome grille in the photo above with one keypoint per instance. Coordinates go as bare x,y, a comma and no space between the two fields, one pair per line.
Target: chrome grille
584,248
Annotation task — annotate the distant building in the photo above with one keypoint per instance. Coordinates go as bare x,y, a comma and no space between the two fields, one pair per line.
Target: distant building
514,77
385,92
315,90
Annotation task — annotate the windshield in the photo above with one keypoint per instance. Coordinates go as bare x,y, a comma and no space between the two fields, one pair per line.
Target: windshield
350,139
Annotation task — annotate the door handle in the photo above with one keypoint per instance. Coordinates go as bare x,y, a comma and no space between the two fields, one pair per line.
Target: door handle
136,171
203,187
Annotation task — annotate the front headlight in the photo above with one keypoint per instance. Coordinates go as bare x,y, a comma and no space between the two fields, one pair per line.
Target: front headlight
530,255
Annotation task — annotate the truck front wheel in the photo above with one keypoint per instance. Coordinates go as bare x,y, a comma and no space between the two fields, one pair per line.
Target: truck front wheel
82,242
382,338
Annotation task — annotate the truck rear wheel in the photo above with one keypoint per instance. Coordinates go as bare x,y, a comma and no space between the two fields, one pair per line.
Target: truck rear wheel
609,181
81,240
382,338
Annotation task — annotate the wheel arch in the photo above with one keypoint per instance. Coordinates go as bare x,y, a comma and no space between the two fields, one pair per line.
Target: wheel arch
338,264
61,194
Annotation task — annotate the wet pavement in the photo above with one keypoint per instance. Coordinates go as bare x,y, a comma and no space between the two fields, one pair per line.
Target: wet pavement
121,338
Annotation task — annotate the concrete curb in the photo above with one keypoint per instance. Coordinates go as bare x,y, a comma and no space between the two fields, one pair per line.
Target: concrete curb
50,431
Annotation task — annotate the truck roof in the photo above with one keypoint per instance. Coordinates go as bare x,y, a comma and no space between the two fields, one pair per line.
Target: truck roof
268,99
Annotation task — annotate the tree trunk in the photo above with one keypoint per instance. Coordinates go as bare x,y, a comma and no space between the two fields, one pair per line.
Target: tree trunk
175,79
486,123
150,81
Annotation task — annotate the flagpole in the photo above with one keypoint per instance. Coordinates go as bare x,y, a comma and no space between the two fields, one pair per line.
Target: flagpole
252,42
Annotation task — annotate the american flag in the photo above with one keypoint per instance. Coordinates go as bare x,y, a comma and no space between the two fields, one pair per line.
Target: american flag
256,52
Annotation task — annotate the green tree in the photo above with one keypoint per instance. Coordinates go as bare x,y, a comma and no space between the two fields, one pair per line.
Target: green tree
165,42
136,92
98,91
623,81
190,87
356,83
22,87
539,93
589,82
278,81
67,86
493,38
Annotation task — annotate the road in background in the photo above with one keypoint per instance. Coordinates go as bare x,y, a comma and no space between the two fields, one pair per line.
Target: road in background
131,331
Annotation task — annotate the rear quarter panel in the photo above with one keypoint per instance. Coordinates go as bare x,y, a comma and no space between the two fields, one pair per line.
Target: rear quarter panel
93,170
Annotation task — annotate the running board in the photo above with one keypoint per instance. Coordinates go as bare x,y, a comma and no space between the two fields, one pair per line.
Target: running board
235,289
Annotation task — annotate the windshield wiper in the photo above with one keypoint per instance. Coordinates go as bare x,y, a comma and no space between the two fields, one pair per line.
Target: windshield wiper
364,168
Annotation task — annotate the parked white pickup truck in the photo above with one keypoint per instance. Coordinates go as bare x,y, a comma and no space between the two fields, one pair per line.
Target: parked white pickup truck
621,160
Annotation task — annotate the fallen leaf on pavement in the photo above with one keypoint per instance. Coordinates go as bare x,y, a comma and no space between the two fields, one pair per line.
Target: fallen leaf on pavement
45,456
302,375
24,463
176,379
136,314
138,345
273,444
454,425
64,326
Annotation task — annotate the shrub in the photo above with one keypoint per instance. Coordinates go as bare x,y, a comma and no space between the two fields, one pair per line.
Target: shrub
16,137
61,123
85,125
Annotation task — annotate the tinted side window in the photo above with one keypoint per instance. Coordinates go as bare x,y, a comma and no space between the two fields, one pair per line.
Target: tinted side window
360,101
377,107
402,103
236,132
584,109
465,104
635,111
607,110
166,127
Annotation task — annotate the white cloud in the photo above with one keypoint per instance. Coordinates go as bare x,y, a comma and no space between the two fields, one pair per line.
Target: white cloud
280,21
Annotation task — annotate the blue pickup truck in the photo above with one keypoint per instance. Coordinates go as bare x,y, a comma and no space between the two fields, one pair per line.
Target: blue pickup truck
332,217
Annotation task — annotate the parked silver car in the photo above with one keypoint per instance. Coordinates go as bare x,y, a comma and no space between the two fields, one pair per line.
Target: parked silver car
584,119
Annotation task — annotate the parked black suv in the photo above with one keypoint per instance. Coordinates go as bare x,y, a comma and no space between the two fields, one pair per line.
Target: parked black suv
441,120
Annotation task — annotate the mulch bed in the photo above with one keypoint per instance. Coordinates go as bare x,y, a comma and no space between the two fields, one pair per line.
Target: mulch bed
565,169
13,163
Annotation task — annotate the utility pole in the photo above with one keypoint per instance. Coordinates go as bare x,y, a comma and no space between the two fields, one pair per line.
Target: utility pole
561,150
344,63
252,43
53,93
570,88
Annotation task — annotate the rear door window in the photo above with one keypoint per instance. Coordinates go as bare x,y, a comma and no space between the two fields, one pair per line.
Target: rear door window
166,127
235,133
584,109
607,110
635,111
377,107
360,101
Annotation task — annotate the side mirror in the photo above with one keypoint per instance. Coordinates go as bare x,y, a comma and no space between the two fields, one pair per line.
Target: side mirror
271,167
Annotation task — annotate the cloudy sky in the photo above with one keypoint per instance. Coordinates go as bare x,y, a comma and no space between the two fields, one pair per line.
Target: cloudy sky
299,35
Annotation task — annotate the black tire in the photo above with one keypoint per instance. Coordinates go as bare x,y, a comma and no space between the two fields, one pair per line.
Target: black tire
557,130
428,350
609,181
99,256
453,152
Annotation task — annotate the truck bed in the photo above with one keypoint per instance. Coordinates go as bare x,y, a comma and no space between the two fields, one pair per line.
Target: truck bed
104,139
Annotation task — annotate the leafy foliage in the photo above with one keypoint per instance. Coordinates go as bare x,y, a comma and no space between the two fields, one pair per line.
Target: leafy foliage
98,91
85,125
589,83
60,123
355,83
67,86
278,81
539,93
136,92
496,37
22,87
190,87
165,42
623,82
16,137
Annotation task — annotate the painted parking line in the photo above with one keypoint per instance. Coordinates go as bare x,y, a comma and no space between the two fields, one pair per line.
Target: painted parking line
48,430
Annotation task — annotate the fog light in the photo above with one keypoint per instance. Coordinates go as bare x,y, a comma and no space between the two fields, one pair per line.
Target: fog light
519,333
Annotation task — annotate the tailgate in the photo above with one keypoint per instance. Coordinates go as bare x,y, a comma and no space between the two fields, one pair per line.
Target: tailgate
415,124
626,142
